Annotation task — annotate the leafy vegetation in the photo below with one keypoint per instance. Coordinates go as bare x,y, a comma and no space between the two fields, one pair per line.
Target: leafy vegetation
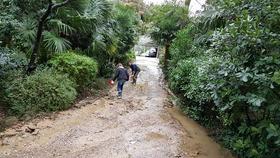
99,28
224,66
115,39
80,39
9,60
80,68
163,28
42,91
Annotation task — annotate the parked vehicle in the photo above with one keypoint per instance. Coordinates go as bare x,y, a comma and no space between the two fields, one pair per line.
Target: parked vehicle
152,53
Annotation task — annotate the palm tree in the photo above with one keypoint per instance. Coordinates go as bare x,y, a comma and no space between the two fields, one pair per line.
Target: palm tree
76,16
52,7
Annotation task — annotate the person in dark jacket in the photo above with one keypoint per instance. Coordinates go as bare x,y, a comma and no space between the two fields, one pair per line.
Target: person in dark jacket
121,76
135,71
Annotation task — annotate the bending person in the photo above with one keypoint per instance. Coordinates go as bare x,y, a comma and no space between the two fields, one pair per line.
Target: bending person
135,71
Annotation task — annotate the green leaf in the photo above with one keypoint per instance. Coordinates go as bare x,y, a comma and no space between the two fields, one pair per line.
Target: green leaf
244,75
55,43
255,100
276,77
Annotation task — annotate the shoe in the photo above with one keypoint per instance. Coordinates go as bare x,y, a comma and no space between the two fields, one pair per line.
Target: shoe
119,97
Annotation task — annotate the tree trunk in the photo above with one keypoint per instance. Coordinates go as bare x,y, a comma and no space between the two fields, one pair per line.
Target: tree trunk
187,3
40,29
167,54
32,65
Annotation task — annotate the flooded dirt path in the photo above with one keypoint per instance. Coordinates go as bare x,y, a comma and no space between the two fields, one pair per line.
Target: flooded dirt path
141,125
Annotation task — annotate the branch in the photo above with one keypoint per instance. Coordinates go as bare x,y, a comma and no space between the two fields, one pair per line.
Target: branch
48,12
60,4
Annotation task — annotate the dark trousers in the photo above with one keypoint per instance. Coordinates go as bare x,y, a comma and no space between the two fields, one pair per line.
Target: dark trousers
120,87
135,75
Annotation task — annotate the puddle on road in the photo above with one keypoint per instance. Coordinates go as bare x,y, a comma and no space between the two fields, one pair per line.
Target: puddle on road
165,117
155,136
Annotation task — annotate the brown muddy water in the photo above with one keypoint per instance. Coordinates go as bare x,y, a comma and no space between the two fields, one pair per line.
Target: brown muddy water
141,125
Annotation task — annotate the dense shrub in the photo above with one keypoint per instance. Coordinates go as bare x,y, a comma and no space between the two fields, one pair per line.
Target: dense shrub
195,71
231,69
43,91
107,70
10,60
130,56
80,68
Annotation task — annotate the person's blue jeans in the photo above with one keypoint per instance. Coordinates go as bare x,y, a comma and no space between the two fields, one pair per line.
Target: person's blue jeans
120,87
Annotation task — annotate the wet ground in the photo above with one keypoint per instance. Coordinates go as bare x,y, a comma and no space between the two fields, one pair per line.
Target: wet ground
141,125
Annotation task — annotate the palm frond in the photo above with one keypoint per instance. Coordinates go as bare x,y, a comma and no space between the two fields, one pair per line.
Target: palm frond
96,13
99,43
53,42
99,9
83,23
27,31
61,26
78,5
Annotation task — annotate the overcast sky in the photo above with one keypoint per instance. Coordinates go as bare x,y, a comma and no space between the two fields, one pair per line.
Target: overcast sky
195,5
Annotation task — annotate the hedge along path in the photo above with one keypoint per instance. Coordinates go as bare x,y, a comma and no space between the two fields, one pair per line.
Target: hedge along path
141,125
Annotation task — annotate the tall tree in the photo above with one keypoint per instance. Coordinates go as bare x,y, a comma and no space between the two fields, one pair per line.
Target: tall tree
166,20
51,8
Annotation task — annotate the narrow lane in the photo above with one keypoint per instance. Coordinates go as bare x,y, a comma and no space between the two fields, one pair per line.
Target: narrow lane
141,125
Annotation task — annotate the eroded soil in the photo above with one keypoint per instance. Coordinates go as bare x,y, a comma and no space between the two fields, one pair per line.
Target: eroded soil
141,125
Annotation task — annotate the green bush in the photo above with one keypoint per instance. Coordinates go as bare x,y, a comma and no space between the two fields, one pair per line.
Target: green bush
190,79
10,60
43,91
81,69
106,70
130,56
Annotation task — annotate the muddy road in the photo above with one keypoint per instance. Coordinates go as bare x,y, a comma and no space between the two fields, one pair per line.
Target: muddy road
141,125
